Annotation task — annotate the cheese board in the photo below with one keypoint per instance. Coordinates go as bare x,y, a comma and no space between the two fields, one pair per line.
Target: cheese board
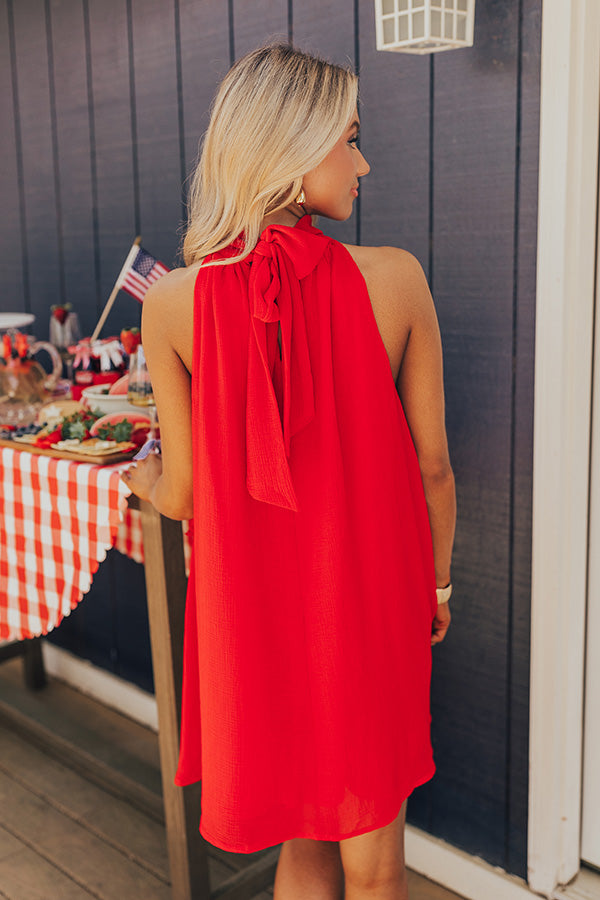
105,459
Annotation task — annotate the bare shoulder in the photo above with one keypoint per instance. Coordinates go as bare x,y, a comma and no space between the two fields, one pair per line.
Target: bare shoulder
395,281
388,257
393,274
174,288
168,310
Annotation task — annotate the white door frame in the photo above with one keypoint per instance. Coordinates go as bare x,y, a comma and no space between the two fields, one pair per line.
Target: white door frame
563,376
590,818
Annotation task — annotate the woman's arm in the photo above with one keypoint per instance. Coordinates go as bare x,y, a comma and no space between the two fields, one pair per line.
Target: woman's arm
421,388
167,328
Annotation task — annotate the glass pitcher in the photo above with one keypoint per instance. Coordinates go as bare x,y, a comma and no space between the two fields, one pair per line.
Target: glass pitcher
24,385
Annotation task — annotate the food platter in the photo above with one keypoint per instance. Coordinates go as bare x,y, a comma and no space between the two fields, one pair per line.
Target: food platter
101,460
15,320
84,445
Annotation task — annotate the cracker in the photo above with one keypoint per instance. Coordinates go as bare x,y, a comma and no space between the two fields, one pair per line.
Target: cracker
94,446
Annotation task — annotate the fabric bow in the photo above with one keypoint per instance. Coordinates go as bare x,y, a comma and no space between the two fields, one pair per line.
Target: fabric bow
110,354
280,260
82,354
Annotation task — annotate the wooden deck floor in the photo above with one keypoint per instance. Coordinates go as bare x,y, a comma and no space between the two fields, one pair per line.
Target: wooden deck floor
63,834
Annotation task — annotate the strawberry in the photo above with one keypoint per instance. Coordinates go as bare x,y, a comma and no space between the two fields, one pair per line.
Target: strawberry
60,311
139,435
130,338
45,441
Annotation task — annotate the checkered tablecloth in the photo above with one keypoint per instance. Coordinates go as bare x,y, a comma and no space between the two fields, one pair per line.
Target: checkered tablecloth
57,520
129,538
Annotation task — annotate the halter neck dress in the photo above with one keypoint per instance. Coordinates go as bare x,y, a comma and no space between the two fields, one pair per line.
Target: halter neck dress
307,655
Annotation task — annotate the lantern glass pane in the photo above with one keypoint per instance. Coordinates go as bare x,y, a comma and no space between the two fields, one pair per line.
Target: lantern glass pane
437,4
461,28
436,23
449,25
389,31
387,7
403,27
402,4
449,4
418,23
462,5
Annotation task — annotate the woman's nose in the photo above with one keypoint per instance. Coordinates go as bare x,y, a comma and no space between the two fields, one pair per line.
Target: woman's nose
363,166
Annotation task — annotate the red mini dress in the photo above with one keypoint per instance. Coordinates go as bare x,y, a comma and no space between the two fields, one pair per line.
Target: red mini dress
307,654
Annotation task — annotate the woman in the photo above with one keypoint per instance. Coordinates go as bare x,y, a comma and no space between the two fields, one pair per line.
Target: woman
323,506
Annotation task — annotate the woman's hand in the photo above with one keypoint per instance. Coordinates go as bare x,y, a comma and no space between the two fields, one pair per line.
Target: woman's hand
143,475
441,623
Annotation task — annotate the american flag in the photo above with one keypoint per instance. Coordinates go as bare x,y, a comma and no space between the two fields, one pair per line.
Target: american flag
143,270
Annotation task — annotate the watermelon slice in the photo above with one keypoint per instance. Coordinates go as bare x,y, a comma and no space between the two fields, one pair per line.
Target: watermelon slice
121,386
114,419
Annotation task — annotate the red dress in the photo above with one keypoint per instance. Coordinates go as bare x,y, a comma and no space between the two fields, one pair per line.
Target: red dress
307,653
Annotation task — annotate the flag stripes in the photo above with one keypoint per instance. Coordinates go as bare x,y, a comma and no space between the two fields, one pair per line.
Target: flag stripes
142,272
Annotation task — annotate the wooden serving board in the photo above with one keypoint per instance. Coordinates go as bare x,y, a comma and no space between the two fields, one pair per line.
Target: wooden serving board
106,459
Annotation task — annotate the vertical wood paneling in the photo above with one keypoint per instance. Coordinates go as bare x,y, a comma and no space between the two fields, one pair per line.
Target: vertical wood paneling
74,163
394,90
37,158
472,280
257,22
156,102
526,242
114,151
204,62
327,29
11,259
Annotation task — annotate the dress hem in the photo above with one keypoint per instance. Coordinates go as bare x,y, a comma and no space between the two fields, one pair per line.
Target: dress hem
385,820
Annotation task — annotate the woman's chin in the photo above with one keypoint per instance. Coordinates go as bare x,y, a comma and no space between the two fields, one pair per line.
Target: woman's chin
339,212
339,215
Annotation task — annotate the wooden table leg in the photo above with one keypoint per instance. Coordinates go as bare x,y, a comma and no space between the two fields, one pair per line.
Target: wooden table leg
165,589
33,664
30,649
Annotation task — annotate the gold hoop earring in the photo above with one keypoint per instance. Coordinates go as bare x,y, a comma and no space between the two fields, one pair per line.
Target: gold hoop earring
301,198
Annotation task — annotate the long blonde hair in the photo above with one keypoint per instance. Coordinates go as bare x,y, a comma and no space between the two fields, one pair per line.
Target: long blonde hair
276,116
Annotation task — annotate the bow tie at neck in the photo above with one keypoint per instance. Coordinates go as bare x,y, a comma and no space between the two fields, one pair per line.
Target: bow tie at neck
281,259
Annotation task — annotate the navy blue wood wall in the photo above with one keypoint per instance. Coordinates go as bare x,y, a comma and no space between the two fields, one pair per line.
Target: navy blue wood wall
101,120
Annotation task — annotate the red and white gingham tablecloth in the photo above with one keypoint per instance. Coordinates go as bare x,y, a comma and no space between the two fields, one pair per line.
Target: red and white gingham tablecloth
129,540
57,520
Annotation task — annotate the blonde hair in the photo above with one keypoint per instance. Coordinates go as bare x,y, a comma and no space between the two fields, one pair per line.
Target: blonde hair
276,116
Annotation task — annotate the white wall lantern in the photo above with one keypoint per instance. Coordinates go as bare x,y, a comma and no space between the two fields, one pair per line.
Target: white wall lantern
424,26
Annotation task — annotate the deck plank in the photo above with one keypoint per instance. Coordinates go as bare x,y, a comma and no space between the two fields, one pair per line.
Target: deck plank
73,849
110,736
421,888
109,818
25,875
115,822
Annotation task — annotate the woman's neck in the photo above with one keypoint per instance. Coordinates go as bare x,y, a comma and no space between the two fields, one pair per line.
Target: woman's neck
289,215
